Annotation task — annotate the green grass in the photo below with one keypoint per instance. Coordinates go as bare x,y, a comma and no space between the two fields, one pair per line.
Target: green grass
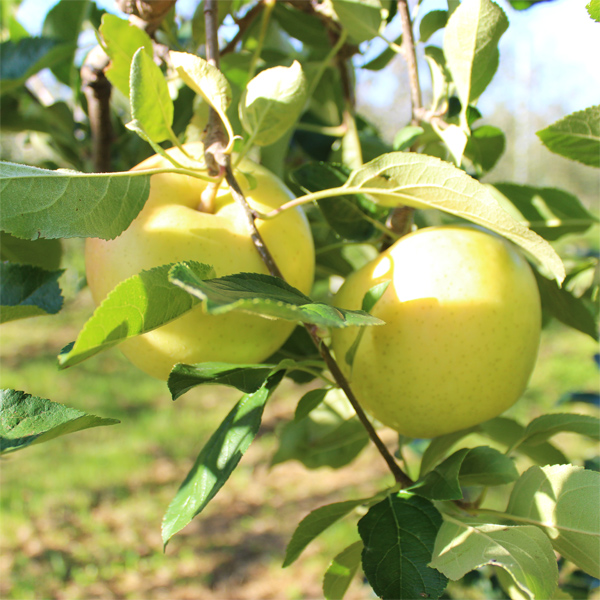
81,514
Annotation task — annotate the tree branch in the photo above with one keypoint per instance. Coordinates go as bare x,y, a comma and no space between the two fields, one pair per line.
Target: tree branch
408,47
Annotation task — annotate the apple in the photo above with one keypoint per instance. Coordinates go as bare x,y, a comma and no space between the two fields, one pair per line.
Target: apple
462,329
171,228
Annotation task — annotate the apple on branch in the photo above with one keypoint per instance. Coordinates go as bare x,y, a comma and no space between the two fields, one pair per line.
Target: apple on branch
463,321
172,228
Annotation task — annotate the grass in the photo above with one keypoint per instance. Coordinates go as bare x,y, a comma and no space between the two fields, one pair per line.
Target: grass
81,514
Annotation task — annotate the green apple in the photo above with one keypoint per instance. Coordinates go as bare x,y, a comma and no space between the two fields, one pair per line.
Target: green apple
171,228
462,329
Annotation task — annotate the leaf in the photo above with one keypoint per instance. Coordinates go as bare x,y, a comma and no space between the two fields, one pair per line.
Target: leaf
593,8
28,291
63,204
309,402
329,436
406,137
151,103
484,148
547,426
468,466
471,47
561,304
431,22
27,420
246,378
209,82
399,535
122,39
455,139
550,212
272,103
137,305
341,571
25,57
423,182
563,500
522,551
314,524
577,136
218,459
263,295
440,76
361,18
384,59
344,214
303,26
42,253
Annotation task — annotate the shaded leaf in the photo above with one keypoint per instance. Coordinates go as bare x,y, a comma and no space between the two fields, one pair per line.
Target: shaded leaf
309,402
431,22
314,524
547,426
399,534
563,500
577,136
384,59
62,204
137,305
272,103
263,295
246,378
27,419
484,148
28,291
406,137
341,571
523,551
218,459
361,18
42,253
406,178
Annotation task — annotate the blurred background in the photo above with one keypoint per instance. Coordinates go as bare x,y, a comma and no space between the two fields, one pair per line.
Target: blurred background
81,515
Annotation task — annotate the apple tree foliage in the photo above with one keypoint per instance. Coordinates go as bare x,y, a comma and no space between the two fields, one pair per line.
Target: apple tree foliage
283,92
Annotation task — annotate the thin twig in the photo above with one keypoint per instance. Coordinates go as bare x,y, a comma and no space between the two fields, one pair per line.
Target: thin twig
243,25
408,46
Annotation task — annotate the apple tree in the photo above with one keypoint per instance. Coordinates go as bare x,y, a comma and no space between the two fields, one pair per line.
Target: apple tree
216,261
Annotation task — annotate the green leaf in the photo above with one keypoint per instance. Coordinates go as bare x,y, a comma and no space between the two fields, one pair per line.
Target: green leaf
263,295
218,459
399,535
547,426
360,18
550,212
330,435
27,420
151,103
485,147
272,103
62,204
344,214
439,447
468,466
121,41
593,8
246,378
440,77
563,500
207,81
384,59
406,137
314,524
523,551
28,291
407,178
341,571
561,304
577,136
42,253
455,139
25,57
431,22
308,403
137,305
471,47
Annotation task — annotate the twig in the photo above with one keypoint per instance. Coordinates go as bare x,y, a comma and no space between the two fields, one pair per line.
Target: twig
212,53
97,90
408,46
243,24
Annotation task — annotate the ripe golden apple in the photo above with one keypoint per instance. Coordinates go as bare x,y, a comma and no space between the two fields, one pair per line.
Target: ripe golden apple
170,228
462,331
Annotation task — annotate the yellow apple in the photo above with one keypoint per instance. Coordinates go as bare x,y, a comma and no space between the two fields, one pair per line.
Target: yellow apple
170,228
462,331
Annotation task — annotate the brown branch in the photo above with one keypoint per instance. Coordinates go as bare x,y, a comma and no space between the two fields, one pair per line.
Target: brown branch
97,90
243,25
146,14
408,46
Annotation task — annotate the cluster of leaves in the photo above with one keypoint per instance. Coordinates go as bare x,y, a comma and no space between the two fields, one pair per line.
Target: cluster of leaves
283,90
